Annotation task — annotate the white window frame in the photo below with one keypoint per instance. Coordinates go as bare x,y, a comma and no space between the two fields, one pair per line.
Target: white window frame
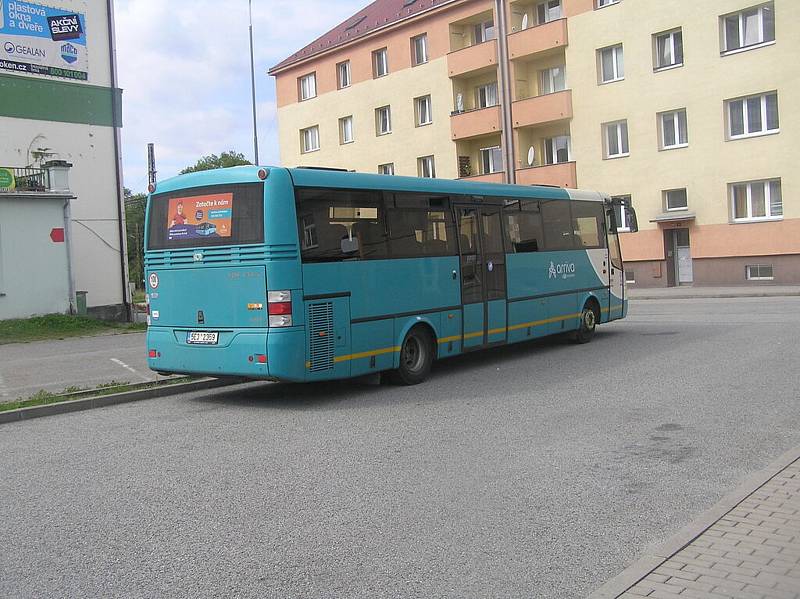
667,193
746,116
491,153
415,50
485,89
662,121
378,121
423,106
657,54
344,74
343,130
616,52
307,86
617,126
547,79
549,5
480,31
551,144
726,49
386,169
603,3
767,188
380,63
428,162
748,276
309,139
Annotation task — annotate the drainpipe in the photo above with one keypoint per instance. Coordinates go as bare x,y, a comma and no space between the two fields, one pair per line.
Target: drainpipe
509,159
117,118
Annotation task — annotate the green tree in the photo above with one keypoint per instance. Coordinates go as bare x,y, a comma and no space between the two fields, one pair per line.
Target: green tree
134,223
224,160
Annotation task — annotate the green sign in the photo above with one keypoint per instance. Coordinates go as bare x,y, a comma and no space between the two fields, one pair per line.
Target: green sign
7,179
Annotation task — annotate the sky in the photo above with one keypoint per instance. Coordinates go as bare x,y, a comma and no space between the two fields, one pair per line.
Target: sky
184,67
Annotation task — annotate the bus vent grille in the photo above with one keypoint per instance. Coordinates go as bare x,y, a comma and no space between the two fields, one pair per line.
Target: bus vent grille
320,332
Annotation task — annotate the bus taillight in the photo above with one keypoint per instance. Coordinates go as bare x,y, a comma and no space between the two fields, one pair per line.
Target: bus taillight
279,306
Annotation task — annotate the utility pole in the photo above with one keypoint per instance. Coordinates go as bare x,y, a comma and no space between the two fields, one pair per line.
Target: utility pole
151,166
253,84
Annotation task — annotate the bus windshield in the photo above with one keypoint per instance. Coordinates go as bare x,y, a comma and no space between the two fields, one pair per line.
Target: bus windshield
207,216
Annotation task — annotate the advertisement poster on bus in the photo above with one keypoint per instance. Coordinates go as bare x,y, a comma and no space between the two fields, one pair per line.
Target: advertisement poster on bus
41,40
200,217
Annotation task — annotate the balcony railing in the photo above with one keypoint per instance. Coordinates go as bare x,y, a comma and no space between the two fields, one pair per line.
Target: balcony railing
475,123
538,39
24,179
542,109
496,177
472,58
561,175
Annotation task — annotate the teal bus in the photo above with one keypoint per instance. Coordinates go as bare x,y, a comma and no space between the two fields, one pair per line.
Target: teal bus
311,274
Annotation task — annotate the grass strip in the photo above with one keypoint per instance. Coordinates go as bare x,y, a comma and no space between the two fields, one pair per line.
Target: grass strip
43,398
60,326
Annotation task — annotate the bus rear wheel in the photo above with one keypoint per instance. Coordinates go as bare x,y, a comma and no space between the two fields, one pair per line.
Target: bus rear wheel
590,315
416,358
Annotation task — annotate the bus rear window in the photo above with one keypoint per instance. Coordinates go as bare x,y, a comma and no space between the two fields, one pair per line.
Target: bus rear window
207,216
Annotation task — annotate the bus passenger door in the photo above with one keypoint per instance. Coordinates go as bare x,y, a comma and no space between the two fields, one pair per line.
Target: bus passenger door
483,275
616,294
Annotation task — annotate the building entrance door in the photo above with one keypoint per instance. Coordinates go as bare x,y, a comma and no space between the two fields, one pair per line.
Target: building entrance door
679,257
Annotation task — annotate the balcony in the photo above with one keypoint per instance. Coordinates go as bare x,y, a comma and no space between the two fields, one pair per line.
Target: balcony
540,110
538,39
14,178
472,58
498,177
473,123
560,175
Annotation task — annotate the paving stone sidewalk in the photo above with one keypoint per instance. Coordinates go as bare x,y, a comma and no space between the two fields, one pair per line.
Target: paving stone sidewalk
752,552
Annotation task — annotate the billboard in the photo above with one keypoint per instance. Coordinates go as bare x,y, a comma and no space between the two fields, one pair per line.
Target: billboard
40,40
200,217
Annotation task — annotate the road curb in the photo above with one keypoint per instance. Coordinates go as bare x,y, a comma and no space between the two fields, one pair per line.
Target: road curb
626,579
720,295
90,403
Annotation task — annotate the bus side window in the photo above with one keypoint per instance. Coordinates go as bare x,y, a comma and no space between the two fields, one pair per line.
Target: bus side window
557,224
523,227
419,225
589,224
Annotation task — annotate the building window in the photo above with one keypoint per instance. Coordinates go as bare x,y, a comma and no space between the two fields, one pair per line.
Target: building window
386,169
419,49
548,11
491,160
612,65
748,28
759,272
557,149
380,63
426,167
757,200
552,80
346,130
754,115
616,138
602,3
630,276
383,120
621,214
309,139
486,95
483,32
422,109
307,85
343,74
669,49
675,199
674,132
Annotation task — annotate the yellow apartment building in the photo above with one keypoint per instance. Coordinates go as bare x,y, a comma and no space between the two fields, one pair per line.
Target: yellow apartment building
689,108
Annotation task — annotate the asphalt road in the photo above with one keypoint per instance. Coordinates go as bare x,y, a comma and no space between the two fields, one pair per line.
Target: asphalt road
26,368
533,471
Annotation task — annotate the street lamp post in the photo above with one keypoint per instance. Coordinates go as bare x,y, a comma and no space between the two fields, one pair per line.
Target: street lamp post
253,83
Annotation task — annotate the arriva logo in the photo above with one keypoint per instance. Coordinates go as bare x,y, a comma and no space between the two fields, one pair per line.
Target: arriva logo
565,270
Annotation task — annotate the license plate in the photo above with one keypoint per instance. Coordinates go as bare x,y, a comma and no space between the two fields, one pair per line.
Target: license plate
202,338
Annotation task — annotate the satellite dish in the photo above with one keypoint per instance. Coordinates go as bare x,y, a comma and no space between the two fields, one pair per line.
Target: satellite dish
460,102
531,156
525,21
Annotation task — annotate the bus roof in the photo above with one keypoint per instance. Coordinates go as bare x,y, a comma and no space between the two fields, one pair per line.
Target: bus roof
313,177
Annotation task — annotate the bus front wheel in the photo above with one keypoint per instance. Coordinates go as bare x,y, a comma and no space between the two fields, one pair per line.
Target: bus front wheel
589,317
416,358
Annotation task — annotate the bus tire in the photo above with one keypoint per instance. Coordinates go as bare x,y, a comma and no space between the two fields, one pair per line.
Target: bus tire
590,316
416,358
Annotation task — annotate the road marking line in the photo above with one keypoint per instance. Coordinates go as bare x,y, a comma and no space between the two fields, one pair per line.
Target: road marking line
3,389
133,370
